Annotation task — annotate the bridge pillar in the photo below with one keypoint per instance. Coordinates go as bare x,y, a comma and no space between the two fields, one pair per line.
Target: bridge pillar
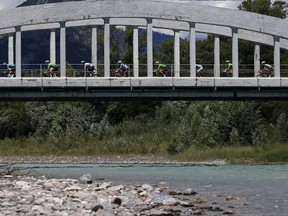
176,54
62,49
106,47
53,46
235,52
11,49
135,52
256,59
18,52
192,50
276,56
216,56
94,47
149,48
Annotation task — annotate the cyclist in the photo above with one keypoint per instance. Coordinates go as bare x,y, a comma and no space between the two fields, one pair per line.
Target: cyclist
228,69
199,70
89,68
265,69
122,69
51,69
10,68
161,70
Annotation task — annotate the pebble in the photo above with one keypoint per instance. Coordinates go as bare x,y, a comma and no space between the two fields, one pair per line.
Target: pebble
28,195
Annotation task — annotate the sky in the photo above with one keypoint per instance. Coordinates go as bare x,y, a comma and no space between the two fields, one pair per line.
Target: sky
6,4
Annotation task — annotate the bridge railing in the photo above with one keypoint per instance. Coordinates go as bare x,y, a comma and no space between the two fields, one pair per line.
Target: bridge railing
76,70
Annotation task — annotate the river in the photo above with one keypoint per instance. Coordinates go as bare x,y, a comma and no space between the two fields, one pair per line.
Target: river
262,189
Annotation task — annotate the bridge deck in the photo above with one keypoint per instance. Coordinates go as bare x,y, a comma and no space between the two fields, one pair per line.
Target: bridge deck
172,88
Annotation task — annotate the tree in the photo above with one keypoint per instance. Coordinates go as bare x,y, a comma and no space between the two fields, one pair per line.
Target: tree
277,9
14,121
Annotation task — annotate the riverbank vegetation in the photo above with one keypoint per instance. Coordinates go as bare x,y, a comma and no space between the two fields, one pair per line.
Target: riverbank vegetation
181,130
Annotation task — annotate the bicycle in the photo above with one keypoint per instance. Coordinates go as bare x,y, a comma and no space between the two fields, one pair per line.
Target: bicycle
199,73
160,73
264,73
50,73
11,74
89,73
228,72
121,73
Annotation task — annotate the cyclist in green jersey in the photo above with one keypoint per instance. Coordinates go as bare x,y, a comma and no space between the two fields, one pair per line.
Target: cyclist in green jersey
161,70
52,68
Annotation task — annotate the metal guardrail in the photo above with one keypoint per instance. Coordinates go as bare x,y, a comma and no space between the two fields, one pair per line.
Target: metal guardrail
76,70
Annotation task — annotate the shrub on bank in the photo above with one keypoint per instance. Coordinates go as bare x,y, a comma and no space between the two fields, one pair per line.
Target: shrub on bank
215,130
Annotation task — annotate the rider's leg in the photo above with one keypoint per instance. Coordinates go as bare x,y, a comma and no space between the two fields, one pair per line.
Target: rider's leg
230,72
118,73
9,72
265,72
95,73
53,72
163,73
89,72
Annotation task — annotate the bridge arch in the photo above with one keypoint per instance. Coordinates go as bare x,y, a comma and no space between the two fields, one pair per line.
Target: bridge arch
177,16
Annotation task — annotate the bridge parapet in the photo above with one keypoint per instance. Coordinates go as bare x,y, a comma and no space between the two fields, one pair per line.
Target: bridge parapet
186,88
143,82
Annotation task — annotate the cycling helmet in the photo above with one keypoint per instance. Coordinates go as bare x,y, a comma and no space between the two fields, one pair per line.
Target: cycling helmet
227,61
263,62
157,62
47,61
119,62
82,62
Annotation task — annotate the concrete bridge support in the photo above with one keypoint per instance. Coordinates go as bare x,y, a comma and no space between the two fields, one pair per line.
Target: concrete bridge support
94,47
149,48
53,46
216,56
276,56
176,54
11,49
18,52
235,52
256,59
106,48
62,49
192,50
135,52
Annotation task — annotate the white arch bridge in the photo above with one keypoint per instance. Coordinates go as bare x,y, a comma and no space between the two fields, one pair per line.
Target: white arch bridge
151,15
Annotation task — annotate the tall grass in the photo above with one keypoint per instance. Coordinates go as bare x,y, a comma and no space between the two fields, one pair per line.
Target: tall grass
234,154
125,148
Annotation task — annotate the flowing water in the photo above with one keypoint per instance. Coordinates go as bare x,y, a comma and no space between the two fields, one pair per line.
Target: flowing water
262,189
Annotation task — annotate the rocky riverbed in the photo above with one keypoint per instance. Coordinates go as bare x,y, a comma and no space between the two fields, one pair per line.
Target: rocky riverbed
27,195
87,195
